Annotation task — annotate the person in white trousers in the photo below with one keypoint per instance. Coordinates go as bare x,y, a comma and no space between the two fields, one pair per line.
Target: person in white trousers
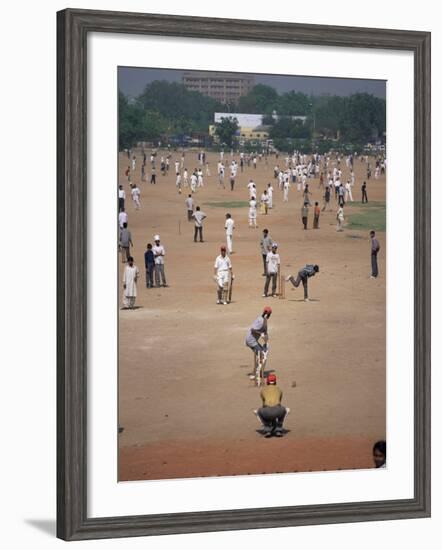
229,227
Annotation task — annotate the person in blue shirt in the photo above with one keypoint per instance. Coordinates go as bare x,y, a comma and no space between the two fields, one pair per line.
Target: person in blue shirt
149,262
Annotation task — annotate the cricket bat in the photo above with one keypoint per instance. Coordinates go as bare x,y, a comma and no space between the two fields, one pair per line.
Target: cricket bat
230,288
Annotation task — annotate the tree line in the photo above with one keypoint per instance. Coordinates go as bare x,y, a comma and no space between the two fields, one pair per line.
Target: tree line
165,109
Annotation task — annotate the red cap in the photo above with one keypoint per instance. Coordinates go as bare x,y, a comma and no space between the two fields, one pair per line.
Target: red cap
271,378
267,309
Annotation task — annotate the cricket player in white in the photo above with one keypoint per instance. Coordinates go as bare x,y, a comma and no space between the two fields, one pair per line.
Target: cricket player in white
221,273
286,190
252,213
193,182
270,194
136,196
178,182
229,226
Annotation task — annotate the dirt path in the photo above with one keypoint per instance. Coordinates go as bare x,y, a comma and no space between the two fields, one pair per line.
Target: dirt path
183,363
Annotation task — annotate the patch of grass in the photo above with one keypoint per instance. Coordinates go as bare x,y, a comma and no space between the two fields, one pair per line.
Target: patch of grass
369,216
227,204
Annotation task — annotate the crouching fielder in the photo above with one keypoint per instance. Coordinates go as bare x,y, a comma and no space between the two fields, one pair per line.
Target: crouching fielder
223,275
272,413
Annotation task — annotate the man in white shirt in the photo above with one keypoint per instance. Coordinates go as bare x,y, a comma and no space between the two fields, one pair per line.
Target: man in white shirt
229,226
193,182
270,194
198,216
159,253
135,192
252,213
222,273
121,198
273,262
286,190
264,202
122,218
189,206
178,182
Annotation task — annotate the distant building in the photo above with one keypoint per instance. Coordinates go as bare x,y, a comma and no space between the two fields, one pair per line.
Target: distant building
224,87
251,127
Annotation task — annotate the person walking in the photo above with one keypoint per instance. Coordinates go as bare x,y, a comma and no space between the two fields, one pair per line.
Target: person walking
316,214
327,195
270,195
222,273
304,274
121,198
304,214
130,277
136,193
198,216
340,219
149,264
375,247
189,206
273,262
229,226
122,218
266,246
125,243
159,253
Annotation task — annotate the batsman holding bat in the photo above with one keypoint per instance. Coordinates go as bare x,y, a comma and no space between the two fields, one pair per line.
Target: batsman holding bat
223,275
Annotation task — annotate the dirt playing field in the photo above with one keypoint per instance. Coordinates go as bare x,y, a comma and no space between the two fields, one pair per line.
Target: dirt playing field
185,398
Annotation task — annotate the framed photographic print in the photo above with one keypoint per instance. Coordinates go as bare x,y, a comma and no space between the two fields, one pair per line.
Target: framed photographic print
243,274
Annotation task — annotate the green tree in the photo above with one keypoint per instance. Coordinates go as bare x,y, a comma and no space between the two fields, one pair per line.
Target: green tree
185,111
261,99
226,130
285,127
294,103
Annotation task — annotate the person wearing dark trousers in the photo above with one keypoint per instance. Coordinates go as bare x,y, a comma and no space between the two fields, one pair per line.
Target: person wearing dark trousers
121,198
272,413
198,216
316,214
153,176
273,263
364,192
304,214
149,263
375,247
303,276
266,246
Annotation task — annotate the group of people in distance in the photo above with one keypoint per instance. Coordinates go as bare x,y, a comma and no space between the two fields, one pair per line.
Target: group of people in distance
298,170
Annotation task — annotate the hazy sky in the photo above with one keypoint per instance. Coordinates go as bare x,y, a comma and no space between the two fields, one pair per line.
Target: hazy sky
132,81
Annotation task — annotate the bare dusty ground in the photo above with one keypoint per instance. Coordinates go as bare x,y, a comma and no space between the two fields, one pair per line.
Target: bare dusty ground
185,399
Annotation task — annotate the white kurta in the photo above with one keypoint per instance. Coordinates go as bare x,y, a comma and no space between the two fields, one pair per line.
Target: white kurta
130,280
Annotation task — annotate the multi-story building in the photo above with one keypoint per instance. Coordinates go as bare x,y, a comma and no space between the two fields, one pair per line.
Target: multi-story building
224,87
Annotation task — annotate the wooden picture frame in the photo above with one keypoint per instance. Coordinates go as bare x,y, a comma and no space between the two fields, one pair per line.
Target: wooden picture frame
73,27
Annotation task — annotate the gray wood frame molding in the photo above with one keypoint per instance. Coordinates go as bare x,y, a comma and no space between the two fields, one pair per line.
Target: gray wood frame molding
72,29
